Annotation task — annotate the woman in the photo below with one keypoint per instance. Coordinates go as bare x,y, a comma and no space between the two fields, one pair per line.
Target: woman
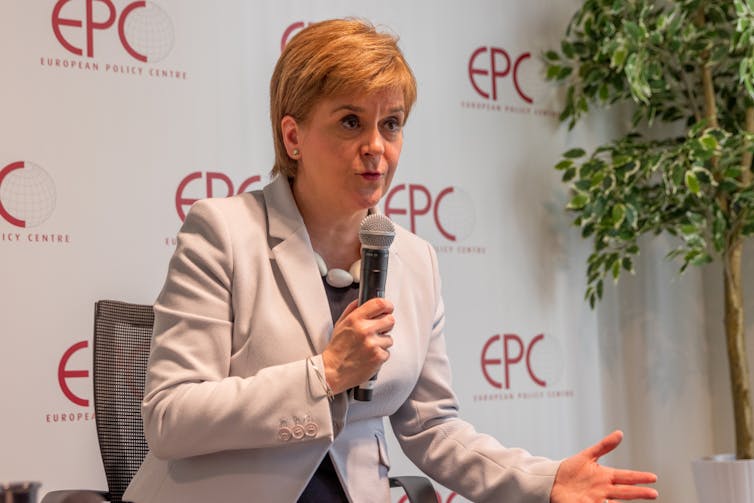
254,352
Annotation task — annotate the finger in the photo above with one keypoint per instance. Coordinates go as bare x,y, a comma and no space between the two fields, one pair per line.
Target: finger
376,307
604,446
633,493
381,348
384,325
633,477
385,341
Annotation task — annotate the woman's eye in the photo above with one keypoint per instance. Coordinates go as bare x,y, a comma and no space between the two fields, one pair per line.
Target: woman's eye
350,122
393,125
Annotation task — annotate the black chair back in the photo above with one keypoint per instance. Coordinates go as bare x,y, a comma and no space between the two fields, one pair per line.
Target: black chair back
122,335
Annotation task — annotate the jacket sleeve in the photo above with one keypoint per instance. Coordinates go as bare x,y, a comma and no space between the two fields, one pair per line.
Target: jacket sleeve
449,449
192,406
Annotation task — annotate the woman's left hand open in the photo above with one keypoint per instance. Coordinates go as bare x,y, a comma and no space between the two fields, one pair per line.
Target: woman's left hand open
581,479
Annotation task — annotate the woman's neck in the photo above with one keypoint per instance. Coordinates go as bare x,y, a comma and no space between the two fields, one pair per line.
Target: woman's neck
334,235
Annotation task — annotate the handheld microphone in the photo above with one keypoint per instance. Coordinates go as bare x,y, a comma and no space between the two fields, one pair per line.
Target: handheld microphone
376,235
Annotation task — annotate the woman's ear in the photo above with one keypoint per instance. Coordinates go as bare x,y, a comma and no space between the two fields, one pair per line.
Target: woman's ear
290,130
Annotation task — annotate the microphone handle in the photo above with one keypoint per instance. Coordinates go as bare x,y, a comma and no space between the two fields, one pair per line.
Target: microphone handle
372,284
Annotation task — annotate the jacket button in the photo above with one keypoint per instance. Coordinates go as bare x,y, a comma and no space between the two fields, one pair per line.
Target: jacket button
284,434
297,432
311,429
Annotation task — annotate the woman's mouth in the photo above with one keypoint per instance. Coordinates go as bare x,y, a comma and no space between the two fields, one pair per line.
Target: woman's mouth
371,176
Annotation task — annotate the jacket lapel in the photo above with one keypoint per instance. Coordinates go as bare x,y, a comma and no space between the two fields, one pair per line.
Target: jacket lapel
292,251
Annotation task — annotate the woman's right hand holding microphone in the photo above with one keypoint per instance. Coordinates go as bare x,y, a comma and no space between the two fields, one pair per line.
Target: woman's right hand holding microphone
359,345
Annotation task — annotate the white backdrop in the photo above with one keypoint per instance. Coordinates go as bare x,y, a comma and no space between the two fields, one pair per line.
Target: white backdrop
102,151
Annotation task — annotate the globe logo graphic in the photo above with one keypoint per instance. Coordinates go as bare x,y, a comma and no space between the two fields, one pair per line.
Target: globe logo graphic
149,31
27,194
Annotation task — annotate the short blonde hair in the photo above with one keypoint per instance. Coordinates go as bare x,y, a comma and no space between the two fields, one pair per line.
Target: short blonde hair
330,58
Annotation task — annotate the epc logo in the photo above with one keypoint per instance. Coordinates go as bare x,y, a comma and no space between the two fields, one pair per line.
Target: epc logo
27,194
495,63
541,357
182,203
451,209
145,31
64,374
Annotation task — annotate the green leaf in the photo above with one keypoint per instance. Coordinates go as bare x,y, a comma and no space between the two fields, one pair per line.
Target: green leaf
583,184
633,30
628,264
692,183
618,58
566,163
688,230
616,270
552,72
704,175
589,167
552,55
604,92
740,7
564,72
618,214
697,128
696,218
587,230
745,73
569,174
662,21
701,259
575,153
567,49
675,24
631,216
578,201
583,106
742,25
709,142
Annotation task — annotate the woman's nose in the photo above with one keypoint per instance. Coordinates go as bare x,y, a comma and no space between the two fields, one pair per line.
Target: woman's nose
374,143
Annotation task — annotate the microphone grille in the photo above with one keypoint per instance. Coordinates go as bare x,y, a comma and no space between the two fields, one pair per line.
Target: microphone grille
377,231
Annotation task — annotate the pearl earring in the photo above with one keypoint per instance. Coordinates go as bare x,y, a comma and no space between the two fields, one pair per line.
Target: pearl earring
296,152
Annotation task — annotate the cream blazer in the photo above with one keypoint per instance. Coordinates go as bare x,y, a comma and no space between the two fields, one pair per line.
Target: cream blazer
233,410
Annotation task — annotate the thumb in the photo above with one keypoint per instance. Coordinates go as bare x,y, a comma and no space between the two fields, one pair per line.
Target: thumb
604,446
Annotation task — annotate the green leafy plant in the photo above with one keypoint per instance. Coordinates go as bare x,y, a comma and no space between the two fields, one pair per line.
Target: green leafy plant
690,64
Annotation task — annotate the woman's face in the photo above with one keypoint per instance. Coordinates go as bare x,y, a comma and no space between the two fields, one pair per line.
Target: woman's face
348,149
